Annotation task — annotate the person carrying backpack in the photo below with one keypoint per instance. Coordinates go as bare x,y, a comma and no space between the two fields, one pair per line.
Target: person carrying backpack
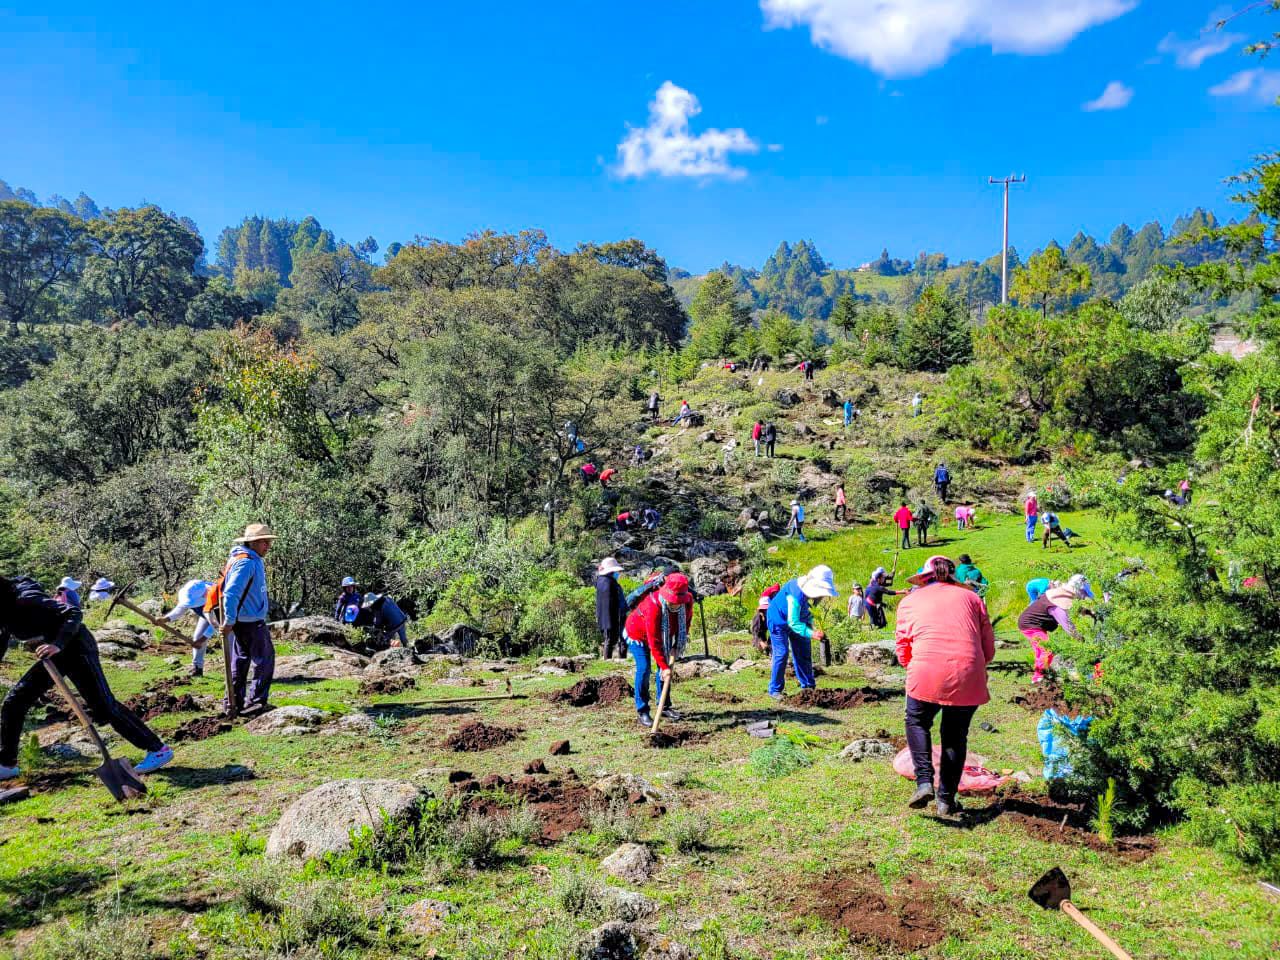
191,599
243,609
347,608
657,630
58,634
942,481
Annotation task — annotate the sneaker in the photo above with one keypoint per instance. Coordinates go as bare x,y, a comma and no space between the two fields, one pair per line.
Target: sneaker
154,760
644,719
949,808
920,799
672,714
8,773
776,696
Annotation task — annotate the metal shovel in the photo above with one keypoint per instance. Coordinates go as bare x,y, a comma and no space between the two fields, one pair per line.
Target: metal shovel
1053,892
116,775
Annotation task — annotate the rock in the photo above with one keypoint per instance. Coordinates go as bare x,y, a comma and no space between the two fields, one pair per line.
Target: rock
880,653
742,663
355,724
460,638
707,575
287,721
695,420
152,606
787,398
117,624
425,917
567,664
708,436
761,729
302,631
393,660
865,749
802,429
632,862
724,549
885,483
832,399
559,749
535,766
629,785
609,941
121,638
69,751
813,482
551,671
113,651
664,948
309,666
691,668
628,905
321,821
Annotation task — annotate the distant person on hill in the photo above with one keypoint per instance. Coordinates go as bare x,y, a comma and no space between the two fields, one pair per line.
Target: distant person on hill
1031,509
917,405
589,473
962,516
877,589
791,629
1185,488
101,590
848,412
942,481
857,603
770,438
841,503
653,406
903,518
606,475
626,520
1053,528
650,518
795,528
923,520
808,369
346,609
637,455
390,623
757,431
68,592
684,414
611,608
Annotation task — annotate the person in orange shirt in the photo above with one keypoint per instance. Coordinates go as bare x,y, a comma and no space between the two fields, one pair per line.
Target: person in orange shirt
903,518
945,641
606,475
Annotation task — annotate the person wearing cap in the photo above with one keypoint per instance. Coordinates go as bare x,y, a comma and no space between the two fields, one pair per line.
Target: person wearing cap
1046,614
795,527
68,592
191,599
101,590
791,629
877,590
347,608
389,622
610,607
1031,508
657,630
244,611
945,641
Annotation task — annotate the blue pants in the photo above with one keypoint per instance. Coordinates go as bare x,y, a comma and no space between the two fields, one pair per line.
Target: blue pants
848,419
801,650
640,653
1031,528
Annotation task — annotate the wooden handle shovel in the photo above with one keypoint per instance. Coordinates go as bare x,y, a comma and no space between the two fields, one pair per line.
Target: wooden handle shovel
1053,892
116,775
662,701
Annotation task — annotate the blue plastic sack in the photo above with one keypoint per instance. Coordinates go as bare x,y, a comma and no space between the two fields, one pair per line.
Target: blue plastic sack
1053,741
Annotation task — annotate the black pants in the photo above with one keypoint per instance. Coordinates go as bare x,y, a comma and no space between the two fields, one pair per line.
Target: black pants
954,731
906,538
840,511
613,645
251,644
768,448
922,534
943,486
79,663
875,613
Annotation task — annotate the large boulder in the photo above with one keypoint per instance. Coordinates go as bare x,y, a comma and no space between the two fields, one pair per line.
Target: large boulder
713,548
320,822
802,429
880,653
114,651
305,631
310,666
707,575
832,399
787,398
121,638
286,721
632,862
458,639
609,941
692,668
630,787
393,660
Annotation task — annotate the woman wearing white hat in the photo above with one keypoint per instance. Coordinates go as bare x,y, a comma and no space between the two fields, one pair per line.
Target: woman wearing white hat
791,629
1046,613
611,608
191,600
101,590
68,592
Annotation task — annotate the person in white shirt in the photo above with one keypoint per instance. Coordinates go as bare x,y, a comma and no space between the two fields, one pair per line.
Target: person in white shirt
191,600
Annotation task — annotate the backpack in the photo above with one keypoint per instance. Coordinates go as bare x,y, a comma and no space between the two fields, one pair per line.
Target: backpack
213,598
646,588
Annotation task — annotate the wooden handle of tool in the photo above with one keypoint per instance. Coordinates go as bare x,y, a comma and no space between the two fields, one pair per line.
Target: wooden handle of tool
164,625
74,702
662,701
1070,910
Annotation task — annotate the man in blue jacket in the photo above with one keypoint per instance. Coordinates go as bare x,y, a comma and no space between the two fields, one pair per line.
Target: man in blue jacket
390,623
791,627
244,620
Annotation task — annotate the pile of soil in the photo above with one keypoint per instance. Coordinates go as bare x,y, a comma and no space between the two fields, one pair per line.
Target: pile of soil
561,804
837,699
1067,823
898,740
201,728
720,696
476,735
396,683
908,920
157,702
590,691
1041,697
668,737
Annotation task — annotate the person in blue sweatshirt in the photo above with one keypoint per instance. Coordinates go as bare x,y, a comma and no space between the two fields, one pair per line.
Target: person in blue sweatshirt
791,630
244,620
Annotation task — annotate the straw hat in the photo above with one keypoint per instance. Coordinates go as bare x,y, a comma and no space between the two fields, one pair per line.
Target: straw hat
254,532
925,574
607,566
818,582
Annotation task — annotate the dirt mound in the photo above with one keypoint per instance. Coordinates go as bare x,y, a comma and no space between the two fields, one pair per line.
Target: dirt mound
720,696
669,737
837,699
910,919
1042,697
590,691
476,735
201,728
1053,822
561,804
156,703
396,683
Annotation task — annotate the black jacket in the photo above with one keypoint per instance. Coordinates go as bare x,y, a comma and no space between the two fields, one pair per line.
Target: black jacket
33,615
610,603
770,433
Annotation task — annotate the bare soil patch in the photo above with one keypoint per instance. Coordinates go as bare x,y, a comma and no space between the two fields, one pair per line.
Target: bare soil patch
158,702
477,735
201,728
835,699
1041,697
396,683
721,696
1067,823
668,737
592,691
910,918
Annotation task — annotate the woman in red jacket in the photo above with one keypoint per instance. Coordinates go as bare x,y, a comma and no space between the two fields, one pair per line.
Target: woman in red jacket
657,630
945,641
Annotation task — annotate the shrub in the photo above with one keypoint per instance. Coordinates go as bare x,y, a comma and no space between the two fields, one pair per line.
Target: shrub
559,617
580,895
615,823
688,832
107,933
261,890
323,914
479,840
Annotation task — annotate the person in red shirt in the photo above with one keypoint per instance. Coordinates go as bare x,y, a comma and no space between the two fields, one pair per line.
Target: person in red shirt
656,631
606,475
756,432
903,519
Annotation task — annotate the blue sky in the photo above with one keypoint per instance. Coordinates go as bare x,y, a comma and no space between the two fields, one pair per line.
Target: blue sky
828,120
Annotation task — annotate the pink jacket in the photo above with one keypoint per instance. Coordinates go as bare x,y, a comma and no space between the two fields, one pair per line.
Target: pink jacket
945,641
1032,507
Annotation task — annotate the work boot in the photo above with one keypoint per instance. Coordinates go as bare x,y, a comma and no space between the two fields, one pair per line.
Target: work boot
8,773
256,709
154,760
644,719
196,671
672,714
949,808
920,799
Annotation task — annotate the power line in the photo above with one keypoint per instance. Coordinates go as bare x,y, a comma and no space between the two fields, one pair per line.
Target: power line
1004,252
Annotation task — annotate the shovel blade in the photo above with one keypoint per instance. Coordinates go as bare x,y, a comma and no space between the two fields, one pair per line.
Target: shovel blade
120,780
1051,889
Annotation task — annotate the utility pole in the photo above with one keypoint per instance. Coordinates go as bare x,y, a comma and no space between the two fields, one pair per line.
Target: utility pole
1004,253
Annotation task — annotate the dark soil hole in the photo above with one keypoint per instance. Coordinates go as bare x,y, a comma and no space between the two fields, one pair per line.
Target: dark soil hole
674,737
397,683
911,918
590,691
476,735
837,699
1070,824
201,728
1042,697
156,703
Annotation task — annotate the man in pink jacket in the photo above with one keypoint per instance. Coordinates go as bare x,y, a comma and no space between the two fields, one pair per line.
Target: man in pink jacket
945,641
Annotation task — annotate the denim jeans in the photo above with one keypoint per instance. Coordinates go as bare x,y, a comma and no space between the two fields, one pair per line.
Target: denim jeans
785,642
640,653
1031,528
954,731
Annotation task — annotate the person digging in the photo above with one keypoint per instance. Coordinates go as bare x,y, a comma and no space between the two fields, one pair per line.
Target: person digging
59,637
791,630
657,631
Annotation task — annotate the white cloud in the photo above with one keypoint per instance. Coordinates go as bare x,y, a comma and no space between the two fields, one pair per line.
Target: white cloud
1262,84
897,37
1115,97
667,148
774,148
1189,54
